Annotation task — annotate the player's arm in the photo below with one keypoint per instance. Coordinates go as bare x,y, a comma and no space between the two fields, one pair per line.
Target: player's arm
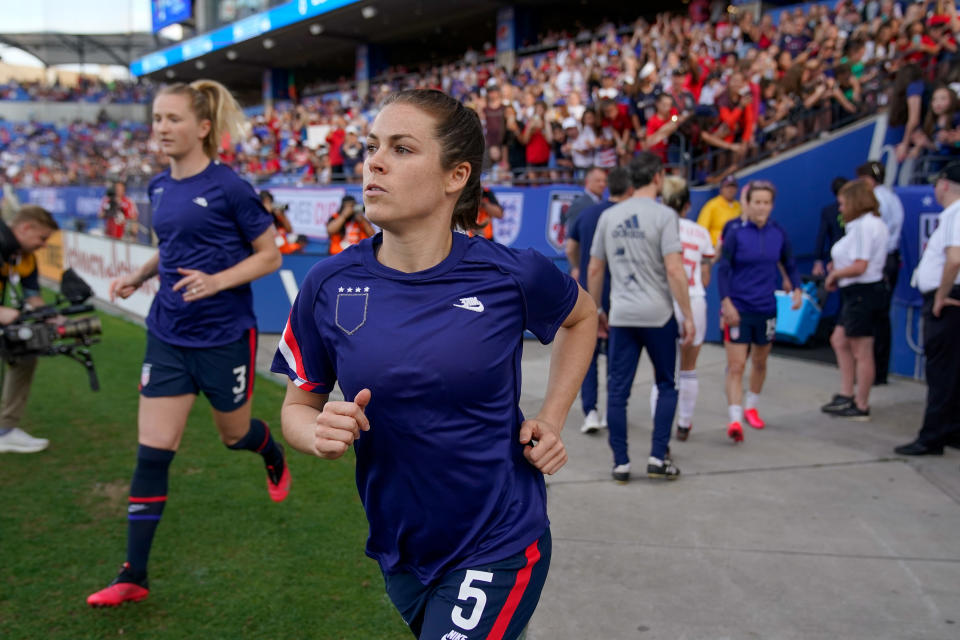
572,351
728,250
677,280
315,425
126,285
572,249
596,269
265,259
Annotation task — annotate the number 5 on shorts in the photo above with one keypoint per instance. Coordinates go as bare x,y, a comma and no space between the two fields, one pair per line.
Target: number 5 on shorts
467,593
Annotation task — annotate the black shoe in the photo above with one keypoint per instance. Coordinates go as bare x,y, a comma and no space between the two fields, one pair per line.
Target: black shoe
916,448
880,381
666,470
853,412
683,433
838,403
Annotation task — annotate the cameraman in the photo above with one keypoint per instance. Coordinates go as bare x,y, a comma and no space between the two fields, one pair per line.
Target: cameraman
116,210
28,232
348,226
287,241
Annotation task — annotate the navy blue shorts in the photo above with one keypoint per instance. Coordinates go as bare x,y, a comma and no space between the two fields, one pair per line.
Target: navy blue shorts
755,328
494,601
224,374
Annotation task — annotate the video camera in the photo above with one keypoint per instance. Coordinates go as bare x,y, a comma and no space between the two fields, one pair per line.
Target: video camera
33,335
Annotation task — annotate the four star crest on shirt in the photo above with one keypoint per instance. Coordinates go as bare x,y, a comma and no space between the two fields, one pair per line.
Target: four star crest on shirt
351,309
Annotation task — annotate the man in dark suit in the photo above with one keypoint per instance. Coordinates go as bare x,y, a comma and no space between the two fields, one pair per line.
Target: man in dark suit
831,229
594,184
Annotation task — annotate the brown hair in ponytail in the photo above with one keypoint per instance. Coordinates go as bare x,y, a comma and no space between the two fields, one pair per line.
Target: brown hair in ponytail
210,100
460,136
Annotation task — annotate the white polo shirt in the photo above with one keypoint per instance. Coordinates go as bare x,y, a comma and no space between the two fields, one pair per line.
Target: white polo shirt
947,234
866,238
891,211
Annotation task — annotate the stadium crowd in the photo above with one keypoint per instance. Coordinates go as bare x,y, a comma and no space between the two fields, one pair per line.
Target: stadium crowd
87,89
707,92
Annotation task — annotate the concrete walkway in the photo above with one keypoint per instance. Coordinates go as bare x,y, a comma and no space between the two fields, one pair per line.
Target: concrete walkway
812,528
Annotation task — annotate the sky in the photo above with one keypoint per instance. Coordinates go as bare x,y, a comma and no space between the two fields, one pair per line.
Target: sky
71,16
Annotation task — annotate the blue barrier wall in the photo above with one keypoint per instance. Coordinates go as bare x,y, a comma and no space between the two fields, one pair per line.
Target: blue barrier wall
532,219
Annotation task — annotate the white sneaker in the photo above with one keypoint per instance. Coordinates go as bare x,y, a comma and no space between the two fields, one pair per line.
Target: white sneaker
591,423
19,441
621,472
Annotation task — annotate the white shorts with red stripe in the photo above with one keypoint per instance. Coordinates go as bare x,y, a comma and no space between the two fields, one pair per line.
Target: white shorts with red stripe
698,304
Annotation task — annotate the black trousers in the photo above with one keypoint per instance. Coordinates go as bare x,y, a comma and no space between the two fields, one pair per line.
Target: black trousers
883,334
941,346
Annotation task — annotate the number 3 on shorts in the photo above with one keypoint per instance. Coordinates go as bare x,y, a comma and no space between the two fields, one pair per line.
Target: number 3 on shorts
468,592
241,373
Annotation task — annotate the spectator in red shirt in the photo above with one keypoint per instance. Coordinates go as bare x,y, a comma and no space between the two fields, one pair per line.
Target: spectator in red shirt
736,119
663,124
536,136
616,116
335,139
116,210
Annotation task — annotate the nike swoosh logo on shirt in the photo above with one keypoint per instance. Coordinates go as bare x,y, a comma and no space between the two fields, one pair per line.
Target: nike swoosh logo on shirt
471,307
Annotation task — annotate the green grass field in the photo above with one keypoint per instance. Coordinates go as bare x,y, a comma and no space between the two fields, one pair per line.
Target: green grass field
226,563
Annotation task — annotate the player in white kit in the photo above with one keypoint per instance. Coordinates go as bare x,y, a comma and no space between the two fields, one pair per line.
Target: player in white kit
698,252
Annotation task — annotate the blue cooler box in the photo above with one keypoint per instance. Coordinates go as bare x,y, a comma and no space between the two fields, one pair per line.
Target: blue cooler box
796,326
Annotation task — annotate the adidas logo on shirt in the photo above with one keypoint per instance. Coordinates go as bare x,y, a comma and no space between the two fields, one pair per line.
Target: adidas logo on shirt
629,228
200,200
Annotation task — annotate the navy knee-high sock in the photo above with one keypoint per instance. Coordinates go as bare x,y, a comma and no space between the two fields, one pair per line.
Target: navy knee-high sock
260,440
148,496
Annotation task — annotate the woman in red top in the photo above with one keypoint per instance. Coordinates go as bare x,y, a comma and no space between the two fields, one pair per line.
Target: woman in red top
537,138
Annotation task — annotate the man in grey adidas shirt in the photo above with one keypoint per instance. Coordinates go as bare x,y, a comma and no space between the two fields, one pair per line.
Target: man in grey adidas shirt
640,242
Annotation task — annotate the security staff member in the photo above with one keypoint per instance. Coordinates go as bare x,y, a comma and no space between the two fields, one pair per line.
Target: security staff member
28,232
938,279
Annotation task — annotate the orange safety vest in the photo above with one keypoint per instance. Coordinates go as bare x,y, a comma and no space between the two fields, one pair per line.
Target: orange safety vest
351,234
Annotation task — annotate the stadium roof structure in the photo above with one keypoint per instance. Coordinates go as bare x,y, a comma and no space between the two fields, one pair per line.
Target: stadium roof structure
407,32
55,48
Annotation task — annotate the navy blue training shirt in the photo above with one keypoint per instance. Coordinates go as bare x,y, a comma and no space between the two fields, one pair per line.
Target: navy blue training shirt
582,231
748,272
441,473
205,222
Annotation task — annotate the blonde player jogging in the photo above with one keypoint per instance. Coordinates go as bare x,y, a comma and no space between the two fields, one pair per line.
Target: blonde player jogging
698,252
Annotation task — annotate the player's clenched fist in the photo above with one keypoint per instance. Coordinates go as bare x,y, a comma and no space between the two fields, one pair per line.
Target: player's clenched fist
548,453
340,424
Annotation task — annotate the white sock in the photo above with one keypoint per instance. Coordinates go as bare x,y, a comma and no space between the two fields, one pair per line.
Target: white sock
688,397
656,461
736,413
654,396
752,399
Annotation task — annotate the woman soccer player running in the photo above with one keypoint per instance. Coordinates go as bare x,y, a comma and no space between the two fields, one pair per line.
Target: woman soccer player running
215,238
423,328
747,280
698,254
